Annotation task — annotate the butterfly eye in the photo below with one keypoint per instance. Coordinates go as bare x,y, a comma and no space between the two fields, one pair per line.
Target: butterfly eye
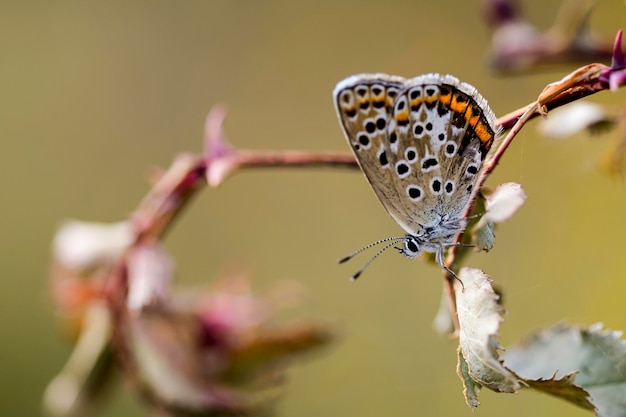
411,247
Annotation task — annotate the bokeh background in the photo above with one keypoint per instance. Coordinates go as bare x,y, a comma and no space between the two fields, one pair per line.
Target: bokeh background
96,93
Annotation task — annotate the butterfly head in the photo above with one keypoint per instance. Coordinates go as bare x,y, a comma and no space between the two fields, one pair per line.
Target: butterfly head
412,247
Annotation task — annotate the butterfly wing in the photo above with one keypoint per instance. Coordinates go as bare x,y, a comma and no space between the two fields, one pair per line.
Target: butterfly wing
420,143
439,133
364,103
473,130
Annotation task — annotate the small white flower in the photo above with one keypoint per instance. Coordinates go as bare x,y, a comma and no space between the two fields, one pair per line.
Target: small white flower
84,245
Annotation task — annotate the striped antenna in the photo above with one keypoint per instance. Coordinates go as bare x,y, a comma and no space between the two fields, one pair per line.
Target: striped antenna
393,241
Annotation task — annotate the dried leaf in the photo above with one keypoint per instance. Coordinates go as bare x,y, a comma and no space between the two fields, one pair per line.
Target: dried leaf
502,203
563,388
218,351
480,316
585,366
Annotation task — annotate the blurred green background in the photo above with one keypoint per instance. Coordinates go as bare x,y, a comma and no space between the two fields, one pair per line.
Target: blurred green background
96,93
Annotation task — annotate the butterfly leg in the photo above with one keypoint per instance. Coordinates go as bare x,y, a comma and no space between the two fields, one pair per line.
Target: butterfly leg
439,257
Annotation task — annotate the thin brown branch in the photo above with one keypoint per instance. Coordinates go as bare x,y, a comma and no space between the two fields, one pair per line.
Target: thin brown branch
222,168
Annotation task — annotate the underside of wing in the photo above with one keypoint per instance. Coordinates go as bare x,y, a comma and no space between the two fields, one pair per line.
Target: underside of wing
440,132
421,143
363,103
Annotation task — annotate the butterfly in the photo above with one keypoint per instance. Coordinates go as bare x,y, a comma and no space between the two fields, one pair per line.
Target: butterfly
421,143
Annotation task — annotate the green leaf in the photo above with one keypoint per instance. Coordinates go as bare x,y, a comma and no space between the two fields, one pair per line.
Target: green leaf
596,358
484,237
583,365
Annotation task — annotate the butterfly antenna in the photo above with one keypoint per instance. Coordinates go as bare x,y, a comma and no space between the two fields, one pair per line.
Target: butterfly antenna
360,271
356,252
